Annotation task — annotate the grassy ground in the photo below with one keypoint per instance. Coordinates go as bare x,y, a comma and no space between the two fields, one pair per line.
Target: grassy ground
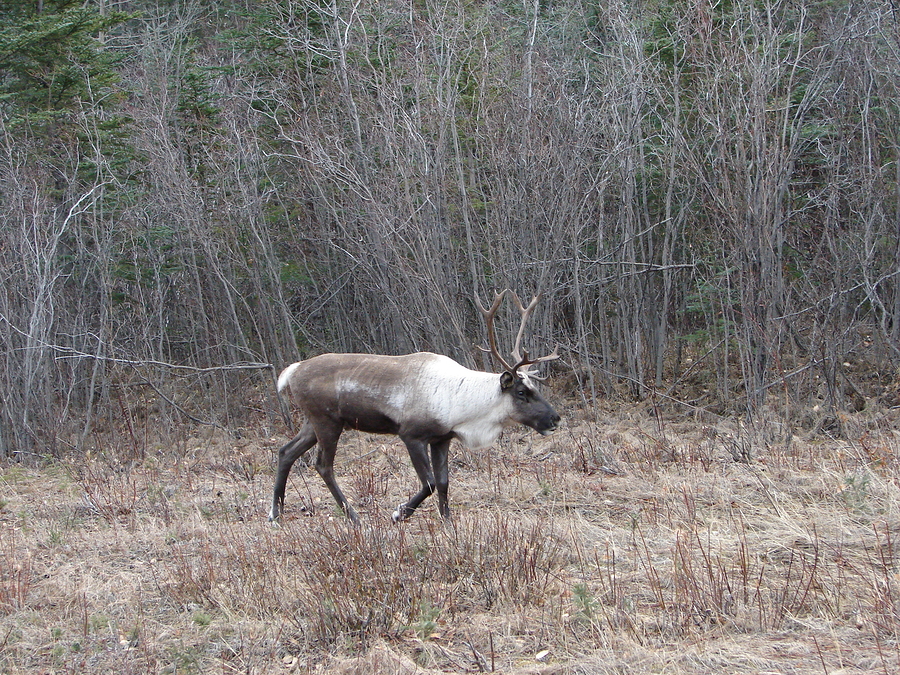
628,543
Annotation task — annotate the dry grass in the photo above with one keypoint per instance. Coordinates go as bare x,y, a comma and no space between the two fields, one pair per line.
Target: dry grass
635,545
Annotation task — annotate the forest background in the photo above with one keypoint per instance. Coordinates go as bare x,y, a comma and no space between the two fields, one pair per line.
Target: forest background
193,194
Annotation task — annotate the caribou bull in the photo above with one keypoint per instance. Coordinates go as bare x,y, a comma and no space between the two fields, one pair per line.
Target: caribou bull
426,399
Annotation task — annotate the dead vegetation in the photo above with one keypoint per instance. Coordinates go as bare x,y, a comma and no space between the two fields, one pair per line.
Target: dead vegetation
627,542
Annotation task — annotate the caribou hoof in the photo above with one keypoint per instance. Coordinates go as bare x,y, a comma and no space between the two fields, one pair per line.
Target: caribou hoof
400,514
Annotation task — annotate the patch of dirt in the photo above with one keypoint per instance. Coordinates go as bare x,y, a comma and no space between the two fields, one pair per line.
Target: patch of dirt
629,541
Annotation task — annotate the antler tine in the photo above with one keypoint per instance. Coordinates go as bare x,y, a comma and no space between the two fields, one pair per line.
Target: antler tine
489,320
525,312
525,361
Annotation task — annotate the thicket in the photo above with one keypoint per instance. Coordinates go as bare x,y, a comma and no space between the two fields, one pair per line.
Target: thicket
704,192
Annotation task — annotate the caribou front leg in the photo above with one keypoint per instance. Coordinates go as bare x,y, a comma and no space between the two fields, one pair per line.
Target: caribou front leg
289,454
418,454
441,470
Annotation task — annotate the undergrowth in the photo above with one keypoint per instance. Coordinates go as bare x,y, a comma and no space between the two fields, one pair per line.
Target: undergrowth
600,550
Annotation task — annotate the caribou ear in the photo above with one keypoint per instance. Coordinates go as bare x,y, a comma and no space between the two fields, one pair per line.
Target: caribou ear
507,379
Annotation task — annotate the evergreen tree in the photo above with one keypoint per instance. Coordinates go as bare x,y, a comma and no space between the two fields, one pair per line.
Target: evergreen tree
54,66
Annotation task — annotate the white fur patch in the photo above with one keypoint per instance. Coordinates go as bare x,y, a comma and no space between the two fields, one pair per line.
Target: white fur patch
285,377
467,401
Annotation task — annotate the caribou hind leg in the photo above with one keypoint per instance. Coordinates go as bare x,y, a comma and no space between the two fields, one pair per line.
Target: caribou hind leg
290,452
328,438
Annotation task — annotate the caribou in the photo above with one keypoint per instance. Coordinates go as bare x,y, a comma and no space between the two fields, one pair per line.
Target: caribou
426,399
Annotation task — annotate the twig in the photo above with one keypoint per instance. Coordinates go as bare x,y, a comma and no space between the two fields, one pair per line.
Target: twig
142,363
821,657
765,489
182,410
491,637
479,657
696,363
72,353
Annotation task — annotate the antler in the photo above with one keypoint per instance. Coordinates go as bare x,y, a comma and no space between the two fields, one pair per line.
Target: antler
520,356
488,315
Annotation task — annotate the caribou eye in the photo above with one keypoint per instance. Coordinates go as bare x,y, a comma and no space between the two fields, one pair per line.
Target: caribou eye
522,394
